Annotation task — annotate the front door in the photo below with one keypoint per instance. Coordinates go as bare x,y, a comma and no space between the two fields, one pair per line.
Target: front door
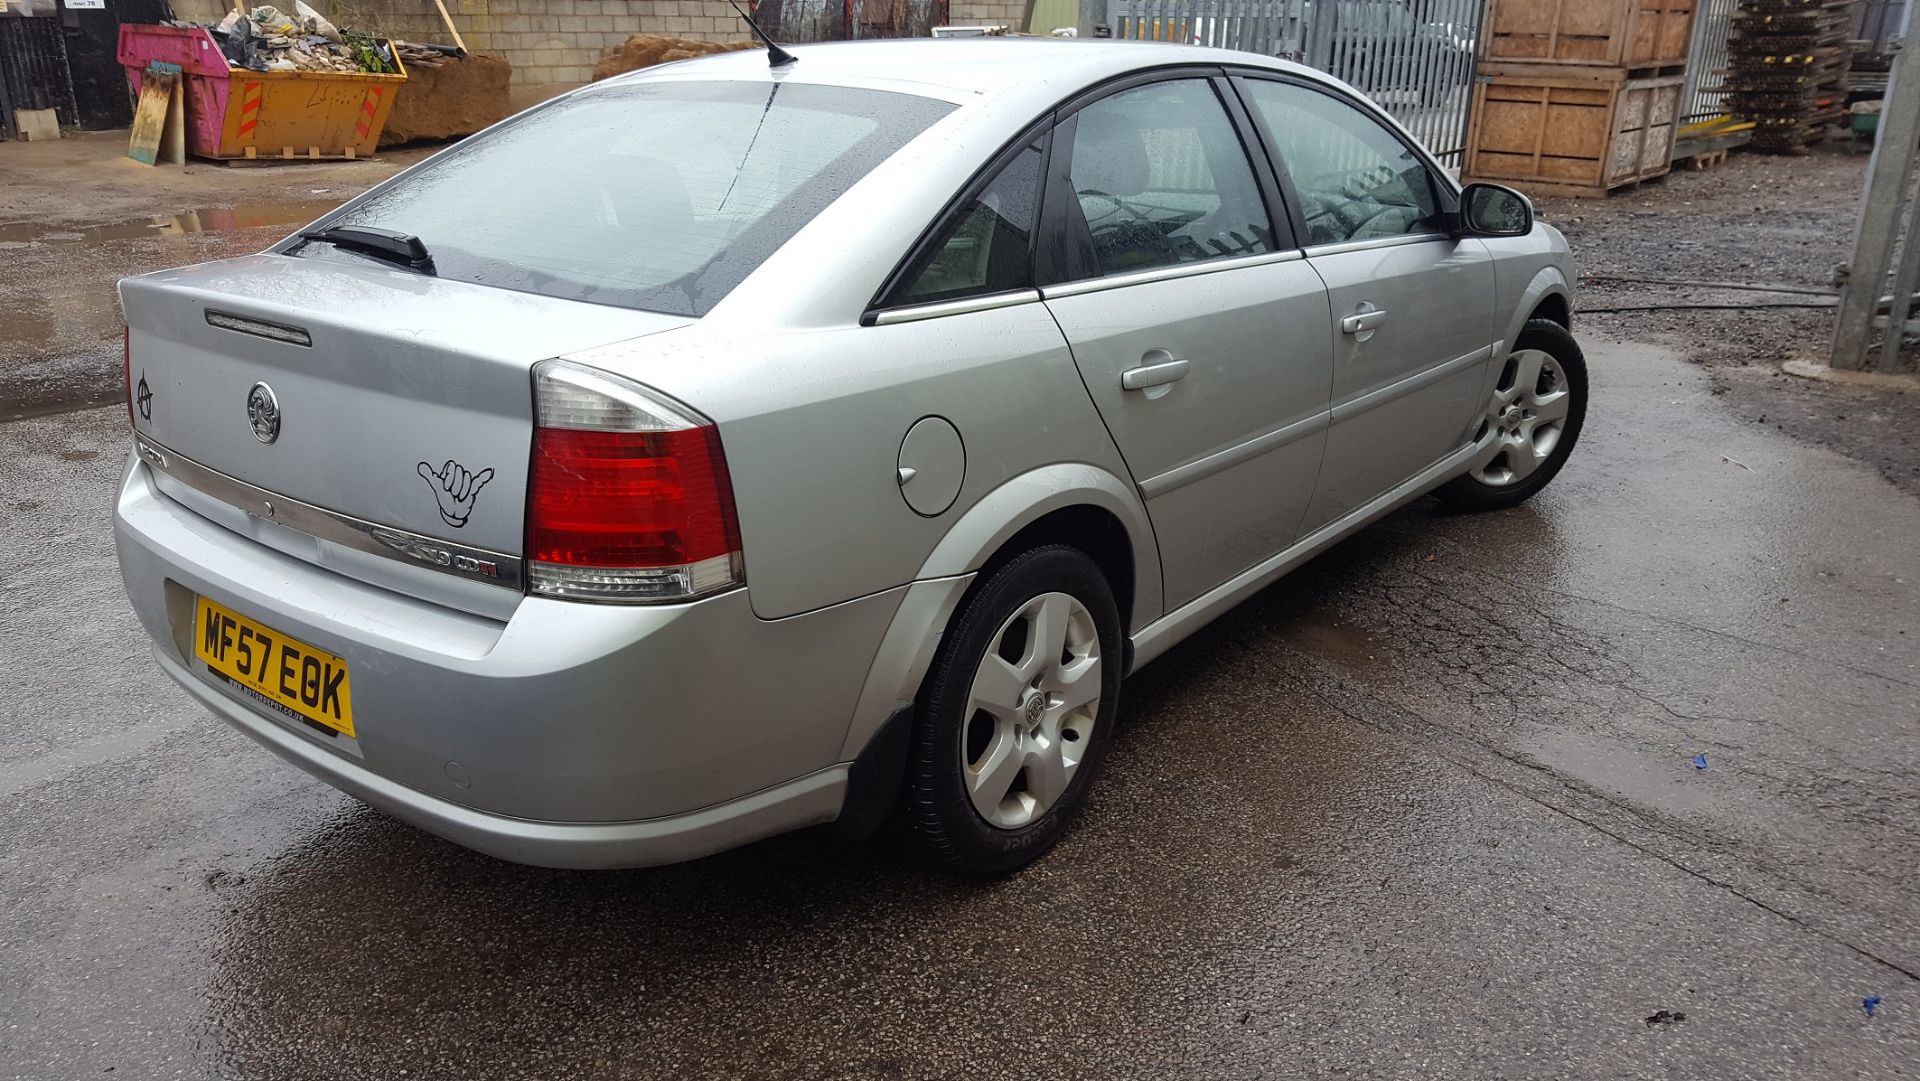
1197,326
1412,307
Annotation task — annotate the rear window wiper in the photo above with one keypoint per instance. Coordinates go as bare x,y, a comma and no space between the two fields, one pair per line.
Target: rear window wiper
403,249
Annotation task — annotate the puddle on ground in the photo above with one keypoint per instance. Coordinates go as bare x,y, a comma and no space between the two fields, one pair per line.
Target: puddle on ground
220,220
1345,644
30,320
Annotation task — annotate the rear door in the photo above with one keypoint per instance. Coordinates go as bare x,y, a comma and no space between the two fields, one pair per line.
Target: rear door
1412,306
1196,324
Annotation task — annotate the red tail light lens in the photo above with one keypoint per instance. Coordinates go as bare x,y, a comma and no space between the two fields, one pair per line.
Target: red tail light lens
629,498
126,369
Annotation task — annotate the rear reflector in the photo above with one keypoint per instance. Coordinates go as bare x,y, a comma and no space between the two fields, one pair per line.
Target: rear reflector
629,499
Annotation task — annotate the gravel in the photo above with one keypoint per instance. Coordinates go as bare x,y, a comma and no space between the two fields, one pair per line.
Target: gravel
1754,220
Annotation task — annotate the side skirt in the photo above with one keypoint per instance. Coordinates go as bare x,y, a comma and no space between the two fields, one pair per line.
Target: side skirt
1169,630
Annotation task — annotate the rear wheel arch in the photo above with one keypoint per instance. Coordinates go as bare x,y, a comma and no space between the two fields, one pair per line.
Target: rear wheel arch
1075,504
1093,530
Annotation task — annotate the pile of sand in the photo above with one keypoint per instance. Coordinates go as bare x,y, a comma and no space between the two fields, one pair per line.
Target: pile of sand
646,50
444,98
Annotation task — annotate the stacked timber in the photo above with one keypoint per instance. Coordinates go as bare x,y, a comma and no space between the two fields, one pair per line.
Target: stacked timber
1578,97
1789,61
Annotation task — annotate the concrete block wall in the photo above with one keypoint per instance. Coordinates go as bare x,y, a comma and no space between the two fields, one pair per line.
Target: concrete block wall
559,41
1011,14
546,41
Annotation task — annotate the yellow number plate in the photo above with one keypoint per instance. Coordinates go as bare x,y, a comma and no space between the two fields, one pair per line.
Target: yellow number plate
300,681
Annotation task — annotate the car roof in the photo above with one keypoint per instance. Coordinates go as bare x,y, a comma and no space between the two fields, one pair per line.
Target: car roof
963,70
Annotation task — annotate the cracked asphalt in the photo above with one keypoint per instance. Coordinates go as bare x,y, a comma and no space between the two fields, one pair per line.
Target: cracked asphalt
1429,808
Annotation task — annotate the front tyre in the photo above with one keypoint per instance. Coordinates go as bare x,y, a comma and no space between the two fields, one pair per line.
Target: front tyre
1014,717
1533,419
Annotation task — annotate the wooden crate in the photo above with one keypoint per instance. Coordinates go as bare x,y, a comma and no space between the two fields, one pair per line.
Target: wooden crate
1604,33
1572,132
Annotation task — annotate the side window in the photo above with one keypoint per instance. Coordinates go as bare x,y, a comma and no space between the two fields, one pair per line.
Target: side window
1356,179
1160,177
988,248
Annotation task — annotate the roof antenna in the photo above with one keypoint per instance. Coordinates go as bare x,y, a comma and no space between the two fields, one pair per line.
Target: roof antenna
776,56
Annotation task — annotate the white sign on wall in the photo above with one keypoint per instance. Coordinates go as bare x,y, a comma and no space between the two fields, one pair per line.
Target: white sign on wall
76,5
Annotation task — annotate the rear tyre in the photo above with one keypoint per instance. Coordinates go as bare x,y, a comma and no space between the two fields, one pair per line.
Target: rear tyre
1533,419
1014,717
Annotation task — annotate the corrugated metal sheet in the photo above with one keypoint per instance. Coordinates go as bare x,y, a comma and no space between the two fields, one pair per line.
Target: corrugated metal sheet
33,64
93,42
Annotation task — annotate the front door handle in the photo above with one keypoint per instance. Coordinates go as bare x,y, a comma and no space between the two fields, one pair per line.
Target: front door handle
1153,375
1362,324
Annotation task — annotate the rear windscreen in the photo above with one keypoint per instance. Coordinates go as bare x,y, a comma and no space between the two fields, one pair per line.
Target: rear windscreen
659,196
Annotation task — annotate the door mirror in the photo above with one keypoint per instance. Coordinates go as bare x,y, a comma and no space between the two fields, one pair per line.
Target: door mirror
1491,210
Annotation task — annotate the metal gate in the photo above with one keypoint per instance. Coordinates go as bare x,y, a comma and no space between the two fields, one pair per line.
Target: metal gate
1876,23
1269,27
798,22
1414,57
1706,93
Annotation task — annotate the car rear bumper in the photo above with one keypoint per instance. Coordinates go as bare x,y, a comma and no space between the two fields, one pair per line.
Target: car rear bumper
567,734
803,801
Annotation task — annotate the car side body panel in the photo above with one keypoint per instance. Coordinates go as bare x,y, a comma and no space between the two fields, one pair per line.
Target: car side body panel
1226,456
815,457
1403,394
1526,271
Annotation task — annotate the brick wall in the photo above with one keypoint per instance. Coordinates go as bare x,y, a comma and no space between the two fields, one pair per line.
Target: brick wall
559,41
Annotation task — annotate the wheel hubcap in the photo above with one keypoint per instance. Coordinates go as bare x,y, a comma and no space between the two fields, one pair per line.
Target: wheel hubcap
1524,421
1035,697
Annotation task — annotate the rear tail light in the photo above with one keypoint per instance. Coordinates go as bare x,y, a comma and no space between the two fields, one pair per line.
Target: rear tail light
629,499
126,369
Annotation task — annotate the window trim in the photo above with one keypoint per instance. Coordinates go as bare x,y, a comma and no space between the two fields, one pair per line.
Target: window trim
1150,275
888,299
934,309
1073,263
1446,192
1052,247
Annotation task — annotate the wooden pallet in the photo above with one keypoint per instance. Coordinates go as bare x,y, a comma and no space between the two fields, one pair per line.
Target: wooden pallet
1705,143
1602,33
293,153
1575,72
1571,131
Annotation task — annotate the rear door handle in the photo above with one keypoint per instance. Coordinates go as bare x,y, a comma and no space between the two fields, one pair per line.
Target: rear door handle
1363,322
1153,375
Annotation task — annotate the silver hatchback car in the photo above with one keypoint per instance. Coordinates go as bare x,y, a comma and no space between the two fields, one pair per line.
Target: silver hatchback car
739,445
